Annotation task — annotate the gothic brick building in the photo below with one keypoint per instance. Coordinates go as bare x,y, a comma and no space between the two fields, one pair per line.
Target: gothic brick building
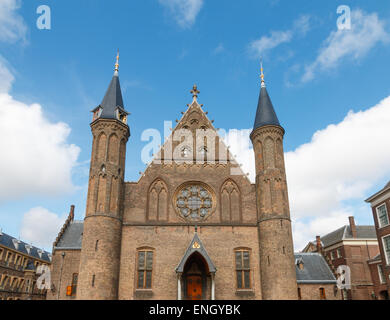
192,227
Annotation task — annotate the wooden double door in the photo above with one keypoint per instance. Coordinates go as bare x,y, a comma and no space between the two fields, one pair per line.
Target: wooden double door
194,287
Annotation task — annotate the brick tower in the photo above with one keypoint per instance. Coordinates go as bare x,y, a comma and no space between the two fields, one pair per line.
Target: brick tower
100,253
278,278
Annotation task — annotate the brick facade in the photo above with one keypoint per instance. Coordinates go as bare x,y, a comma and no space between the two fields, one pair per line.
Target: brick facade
382,200
136,234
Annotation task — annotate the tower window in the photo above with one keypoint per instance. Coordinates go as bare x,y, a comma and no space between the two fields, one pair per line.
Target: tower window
93,280
243,271
145,268
96,245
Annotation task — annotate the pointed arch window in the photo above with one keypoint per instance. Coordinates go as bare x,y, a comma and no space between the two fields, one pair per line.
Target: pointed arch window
186,152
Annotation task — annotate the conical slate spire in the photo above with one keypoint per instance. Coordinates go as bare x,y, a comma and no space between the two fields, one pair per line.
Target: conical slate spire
265,114
113,97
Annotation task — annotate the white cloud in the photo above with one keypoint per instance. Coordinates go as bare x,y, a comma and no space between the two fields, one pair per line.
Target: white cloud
6,77
263,45
220,48
266,43
329,177
183,11
366,32
12,26
41,227
35,157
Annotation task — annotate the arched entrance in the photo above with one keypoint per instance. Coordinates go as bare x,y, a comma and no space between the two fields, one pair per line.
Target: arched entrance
195,277
196,273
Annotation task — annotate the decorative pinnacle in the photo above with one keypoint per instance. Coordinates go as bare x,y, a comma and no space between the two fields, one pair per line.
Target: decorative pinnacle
117,63
195,93
262,74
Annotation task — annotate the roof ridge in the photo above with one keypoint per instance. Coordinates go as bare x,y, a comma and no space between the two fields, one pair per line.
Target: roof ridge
68,221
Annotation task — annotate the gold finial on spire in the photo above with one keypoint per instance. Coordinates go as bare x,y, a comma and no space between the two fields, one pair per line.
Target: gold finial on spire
117,63
195,93
262,74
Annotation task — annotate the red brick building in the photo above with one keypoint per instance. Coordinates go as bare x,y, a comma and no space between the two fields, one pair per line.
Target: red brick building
351,245
380,265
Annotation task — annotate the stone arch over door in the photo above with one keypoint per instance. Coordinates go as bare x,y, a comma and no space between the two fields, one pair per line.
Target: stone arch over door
196,271
230,200
157,207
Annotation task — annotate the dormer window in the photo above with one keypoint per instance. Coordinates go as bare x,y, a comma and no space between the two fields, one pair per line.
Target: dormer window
96,113
16,243
40,252
121,116
299,263
28,248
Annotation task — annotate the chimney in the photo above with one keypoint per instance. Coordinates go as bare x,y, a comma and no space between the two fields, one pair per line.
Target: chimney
352,226
318,244
71,213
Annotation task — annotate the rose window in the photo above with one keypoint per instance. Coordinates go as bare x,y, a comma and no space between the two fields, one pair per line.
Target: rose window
194,202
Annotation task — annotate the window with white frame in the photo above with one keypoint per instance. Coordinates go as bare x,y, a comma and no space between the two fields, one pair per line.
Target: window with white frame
339,255
332,255
381,274
386,248
383,218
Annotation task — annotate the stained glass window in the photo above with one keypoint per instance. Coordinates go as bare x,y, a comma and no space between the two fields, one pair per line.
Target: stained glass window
194,202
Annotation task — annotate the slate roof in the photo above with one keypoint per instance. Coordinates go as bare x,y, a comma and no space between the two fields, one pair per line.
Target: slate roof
265,114
344,233
10,242
112,99
71,239
315,269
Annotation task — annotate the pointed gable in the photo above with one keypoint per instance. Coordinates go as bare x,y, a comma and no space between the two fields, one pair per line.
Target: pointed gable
195,120
196,245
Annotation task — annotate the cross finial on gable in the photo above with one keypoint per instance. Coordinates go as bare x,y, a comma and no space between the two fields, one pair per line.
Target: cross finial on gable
195,92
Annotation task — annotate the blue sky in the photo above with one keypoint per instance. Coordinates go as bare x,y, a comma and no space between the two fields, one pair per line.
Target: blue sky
165,47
